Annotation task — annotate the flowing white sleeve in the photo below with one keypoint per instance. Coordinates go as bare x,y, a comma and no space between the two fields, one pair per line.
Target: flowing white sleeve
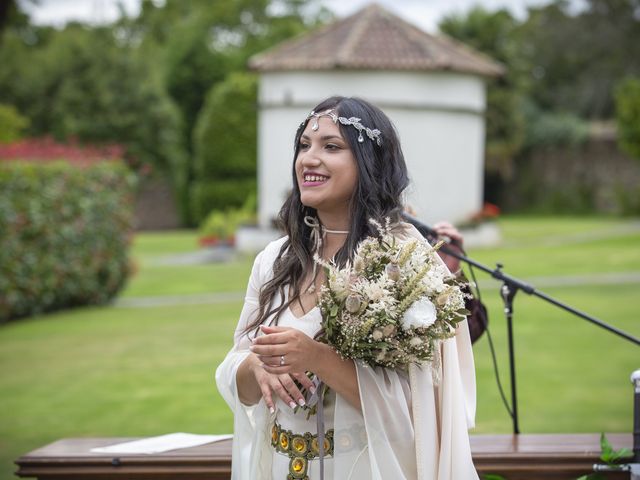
377,442
249,459
444,411
411,427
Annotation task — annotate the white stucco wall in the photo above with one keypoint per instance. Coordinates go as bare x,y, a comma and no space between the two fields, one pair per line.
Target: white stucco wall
439,117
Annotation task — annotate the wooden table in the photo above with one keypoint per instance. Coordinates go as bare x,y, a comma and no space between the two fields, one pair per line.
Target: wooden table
533,457
522,457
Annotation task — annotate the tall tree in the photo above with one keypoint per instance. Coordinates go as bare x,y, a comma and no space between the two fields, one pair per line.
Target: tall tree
200,43
495,34
577,58
67,90
122,82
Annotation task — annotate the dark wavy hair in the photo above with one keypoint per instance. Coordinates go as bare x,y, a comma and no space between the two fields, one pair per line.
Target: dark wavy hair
382,177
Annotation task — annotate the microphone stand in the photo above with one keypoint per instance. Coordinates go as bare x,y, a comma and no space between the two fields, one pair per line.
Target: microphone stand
510,287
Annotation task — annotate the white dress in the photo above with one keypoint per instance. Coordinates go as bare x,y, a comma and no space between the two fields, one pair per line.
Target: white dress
410,426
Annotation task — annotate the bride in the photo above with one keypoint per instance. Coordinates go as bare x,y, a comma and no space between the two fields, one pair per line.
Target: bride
379,423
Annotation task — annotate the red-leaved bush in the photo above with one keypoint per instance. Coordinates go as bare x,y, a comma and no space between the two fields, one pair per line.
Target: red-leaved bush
46,149
64,233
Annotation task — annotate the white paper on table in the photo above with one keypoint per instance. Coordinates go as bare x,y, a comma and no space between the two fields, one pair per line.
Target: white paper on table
162,443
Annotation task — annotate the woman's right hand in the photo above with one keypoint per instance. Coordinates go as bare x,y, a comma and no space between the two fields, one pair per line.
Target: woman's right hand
282,386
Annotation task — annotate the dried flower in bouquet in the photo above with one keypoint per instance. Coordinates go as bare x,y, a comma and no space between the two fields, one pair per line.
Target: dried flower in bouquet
393,304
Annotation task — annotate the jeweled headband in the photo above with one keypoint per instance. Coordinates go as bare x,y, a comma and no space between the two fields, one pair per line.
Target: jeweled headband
373,134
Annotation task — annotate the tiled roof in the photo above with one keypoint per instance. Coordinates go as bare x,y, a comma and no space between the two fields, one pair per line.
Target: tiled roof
374,39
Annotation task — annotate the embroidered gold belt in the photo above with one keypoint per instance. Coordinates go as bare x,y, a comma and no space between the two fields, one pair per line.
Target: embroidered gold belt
300,448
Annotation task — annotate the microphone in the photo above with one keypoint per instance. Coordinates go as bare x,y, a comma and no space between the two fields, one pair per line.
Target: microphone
429,233
426,231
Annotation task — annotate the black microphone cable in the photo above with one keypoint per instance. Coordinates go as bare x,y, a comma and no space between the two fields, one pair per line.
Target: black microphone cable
490,340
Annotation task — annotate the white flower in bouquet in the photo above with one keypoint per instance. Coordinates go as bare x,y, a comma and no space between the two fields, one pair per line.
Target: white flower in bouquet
420,315
434,279
374,291
339,283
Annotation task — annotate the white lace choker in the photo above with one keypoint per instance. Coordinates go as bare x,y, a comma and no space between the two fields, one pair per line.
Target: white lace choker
316,238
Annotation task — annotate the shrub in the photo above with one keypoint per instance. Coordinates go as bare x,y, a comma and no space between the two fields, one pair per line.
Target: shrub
221,225
46,149
221,194
553,129
225,146
12,124
64,233
627,98
627,200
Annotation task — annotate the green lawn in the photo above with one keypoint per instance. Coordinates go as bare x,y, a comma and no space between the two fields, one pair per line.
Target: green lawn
111,371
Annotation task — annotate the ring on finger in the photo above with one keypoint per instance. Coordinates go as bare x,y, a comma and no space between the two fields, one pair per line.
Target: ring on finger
282,360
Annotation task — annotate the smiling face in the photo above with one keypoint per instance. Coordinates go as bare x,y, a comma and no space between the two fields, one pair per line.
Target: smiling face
326,169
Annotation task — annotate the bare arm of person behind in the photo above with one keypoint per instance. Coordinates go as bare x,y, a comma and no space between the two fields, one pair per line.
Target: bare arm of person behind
448,231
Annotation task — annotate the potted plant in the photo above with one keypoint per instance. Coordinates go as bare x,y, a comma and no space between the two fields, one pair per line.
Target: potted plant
217,229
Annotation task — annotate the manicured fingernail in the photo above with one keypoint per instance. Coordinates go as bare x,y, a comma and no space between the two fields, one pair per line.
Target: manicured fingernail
312,389
251,348
272,410
301,401
292,404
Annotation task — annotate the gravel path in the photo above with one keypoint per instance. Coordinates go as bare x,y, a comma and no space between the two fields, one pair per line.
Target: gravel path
173,300
485,283
614,278
224,254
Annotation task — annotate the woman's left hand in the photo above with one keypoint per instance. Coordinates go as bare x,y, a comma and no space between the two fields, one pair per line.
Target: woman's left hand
285,350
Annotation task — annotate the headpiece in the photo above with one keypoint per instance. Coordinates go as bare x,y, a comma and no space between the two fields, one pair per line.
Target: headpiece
373,134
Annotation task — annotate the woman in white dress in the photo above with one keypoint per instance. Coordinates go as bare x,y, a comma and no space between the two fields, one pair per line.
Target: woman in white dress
377,423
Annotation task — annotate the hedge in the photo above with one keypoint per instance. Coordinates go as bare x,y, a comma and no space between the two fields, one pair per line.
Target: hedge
225,146
208,195
627,98
12,124
64,235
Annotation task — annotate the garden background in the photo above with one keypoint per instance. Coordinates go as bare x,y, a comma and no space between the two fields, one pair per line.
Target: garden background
109,331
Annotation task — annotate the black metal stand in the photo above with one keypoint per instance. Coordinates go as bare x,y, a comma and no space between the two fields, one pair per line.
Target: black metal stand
507,293
511,286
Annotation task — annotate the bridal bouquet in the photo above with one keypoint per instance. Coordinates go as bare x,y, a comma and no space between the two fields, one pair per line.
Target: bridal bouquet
392,305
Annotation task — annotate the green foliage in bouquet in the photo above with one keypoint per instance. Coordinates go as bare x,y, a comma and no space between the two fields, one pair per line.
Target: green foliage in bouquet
64,235
393,304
